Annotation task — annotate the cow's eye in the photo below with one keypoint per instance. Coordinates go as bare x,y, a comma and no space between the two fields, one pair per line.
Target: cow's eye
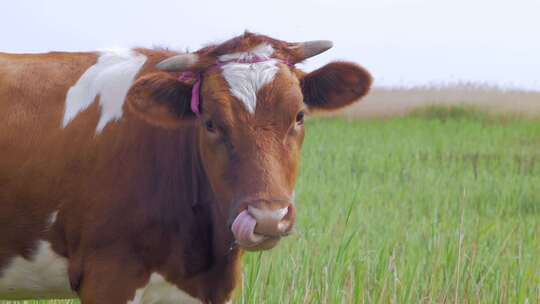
209,125
300,117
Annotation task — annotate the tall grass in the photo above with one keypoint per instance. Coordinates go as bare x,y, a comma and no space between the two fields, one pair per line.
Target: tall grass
437,207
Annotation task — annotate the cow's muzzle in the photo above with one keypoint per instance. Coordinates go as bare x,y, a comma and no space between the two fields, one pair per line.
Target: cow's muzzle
257,228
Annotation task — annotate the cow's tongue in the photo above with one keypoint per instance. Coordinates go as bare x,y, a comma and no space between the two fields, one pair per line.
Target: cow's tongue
243,229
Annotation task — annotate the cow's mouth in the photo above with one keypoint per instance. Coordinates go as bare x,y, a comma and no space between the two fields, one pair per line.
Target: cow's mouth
243,229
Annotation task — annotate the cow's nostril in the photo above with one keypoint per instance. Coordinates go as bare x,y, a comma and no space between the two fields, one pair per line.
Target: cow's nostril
271,222
283,226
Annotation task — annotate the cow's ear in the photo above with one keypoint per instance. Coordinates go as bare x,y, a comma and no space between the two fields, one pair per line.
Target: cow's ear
335,85
161,100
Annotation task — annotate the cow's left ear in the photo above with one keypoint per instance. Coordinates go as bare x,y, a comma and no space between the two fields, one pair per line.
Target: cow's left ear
335,85
161,100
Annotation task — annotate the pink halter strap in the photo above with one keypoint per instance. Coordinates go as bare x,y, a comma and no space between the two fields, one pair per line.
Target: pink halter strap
196,90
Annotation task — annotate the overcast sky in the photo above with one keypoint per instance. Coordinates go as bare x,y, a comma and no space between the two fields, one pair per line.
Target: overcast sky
406,42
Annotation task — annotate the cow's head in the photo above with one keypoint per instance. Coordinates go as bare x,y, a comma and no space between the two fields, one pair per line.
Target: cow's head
249,108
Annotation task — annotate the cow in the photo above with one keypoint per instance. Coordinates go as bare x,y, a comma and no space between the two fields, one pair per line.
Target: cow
143,175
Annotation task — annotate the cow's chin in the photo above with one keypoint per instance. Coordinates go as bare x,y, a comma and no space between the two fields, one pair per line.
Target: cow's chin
266,244
243,229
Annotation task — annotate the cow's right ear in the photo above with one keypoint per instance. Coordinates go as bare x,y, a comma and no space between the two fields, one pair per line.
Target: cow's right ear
161,100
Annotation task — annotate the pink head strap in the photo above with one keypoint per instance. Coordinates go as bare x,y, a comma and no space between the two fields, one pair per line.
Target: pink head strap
195,91
197,77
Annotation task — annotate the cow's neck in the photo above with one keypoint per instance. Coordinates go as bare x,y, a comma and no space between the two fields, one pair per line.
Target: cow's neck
181,202
224,269
218,276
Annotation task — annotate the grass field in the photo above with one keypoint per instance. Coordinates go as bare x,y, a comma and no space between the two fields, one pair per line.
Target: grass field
438,207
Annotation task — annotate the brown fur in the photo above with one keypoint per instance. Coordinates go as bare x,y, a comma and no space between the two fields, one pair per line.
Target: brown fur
155,191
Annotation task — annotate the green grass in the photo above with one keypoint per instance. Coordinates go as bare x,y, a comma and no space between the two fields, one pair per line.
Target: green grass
439,207
432,208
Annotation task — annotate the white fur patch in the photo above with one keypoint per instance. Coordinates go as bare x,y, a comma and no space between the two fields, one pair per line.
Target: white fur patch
246,79
43,276
52,219
263,50
110,78
158,290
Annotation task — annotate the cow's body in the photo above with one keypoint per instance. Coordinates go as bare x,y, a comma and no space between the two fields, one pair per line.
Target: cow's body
88,197
96,202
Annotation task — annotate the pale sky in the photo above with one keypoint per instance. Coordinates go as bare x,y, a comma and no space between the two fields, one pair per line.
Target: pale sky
407,42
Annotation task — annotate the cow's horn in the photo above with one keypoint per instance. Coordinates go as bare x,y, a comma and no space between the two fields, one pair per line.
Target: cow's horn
178,63
309,49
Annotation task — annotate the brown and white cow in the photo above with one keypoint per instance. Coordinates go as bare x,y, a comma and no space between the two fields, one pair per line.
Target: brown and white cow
119,186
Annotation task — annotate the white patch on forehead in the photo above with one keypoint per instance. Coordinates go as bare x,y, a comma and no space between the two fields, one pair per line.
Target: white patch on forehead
43,276
110,78
158,290
246,79
263,50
